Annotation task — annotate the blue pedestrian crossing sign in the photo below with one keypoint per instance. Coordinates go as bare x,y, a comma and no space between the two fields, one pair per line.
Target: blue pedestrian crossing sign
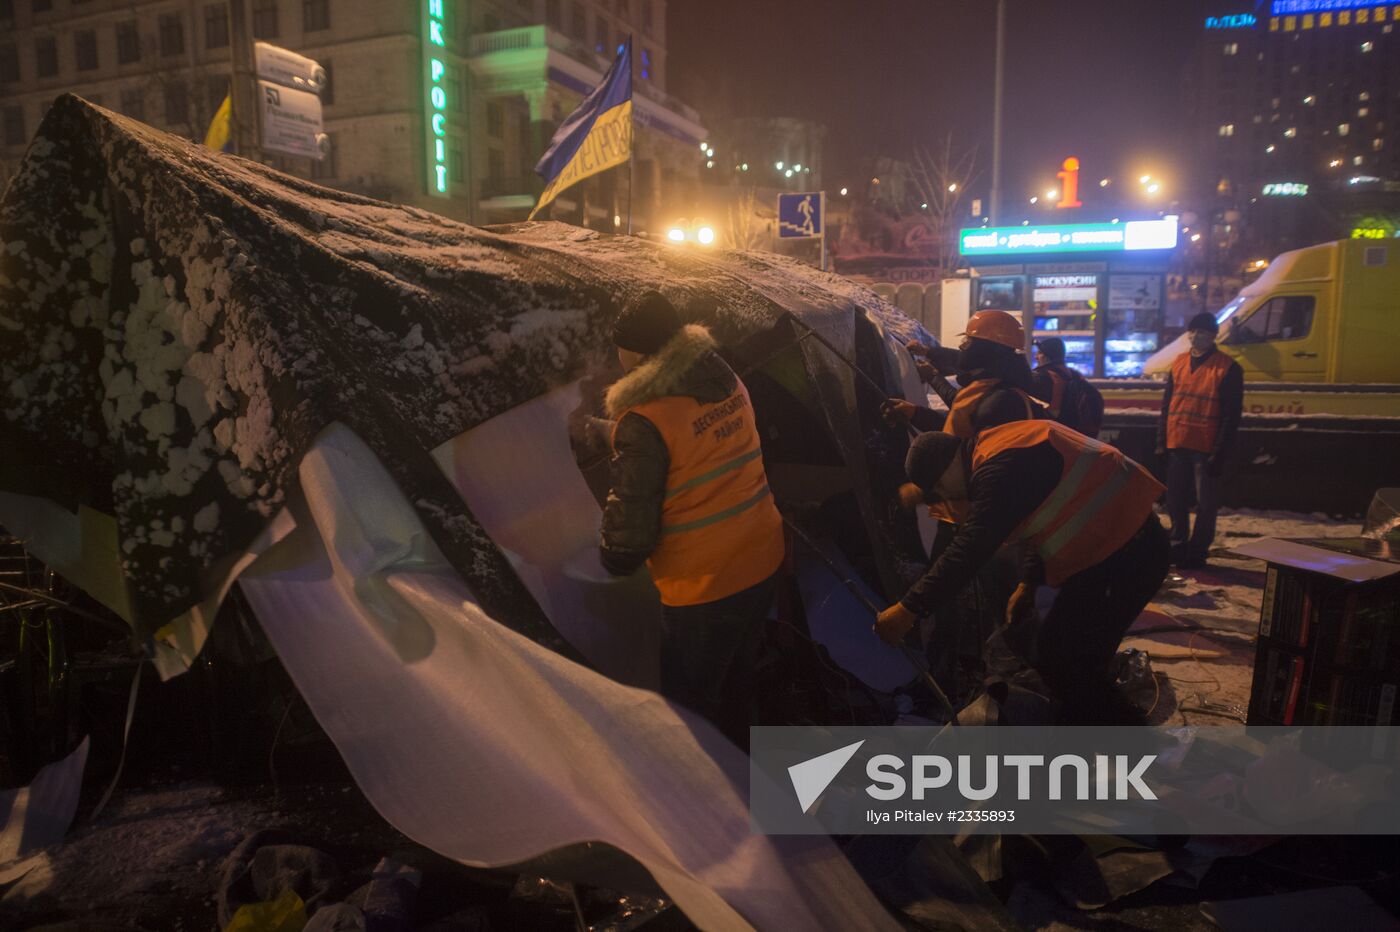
801,216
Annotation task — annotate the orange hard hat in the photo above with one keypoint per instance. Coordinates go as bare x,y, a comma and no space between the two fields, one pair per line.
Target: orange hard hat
997,327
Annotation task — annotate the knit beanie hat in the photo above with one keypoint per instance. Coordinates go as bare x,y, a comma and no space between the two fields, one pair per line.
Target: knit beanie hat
1204,321
646,325
929,457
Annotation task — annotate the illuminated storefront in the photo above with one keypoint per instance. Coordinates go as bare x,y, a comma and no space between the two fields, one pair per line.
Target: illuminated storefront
1100,287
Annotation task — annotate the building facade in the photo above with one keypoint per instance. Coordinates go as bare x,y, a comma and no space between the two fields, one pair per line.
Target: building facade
444,104
1294,109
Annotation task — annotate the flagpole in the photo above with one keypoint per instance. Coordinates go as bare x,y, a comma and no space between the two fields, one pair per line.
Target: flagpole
632,133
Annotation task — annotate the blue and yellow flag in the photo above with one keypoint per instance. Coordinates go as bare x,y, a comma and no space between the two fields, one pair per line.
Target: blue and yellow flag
220,135
595,137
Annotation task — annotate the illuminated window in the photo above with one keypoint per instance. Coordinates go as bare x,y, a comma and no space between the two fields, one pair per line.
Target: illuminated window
1276,102
1367,46
1343,129
1290,132
1269,150
1232,48
1258,118
1357,160
1364,96
1227,129
1376,144
1363,111
1309,100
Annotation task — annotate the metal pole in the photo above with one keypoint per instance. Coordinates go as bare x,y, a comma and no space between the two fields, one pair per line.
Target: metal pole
632,140
995,212
244,84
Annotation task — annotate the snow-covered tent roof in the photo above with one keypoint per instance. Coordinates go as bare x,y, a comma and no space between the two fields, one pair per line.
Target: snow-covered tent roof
177,325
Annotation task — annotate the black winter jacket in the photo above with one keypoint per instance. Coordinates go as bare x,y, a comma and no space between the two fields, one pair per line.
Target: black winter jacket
689,366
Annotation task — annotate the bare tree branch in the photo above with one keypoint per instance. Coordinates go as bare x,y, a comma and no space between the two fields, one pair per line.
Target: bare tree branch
940,179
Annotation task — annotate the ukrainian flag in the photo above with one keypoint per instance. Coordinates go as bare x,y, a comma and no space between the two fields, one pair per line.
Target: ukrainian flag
595,137
220,136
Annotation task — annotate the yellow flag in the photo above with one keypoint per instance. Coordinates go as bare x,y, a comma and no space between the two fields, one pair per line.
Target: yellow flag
220,136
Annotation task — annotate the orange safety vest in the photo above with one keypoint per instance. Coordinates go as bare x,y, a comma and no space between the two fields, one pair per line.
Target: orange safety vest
959,421
1099,503
1193,420
720,530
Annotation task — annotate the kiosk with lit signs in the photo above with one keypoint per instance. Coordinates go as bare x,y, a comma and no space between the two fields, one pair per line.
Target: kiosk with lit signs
1100,287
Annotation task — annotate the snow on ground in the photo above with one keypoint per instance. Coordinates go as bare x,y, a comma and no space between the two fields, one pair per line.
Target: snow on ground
1200,630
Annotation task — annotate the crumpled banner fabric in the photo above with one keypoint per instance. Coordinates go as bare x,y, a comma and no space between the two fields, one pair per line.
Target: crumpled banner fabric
491,749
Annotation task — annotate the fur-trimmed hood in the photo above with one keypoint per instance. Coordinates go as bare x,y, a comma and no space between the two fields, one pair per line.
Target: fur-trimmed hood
687,365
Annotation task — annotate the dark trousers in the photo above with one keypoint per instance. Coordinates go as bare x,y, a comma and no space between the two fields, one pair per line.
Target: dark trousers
1188,479
708,656
1093,609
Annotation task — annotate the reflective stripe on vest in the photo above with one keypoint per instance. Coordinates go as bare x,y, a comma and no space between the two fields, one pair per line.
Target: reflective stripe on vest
1101,499
720,530
965,403
1193,417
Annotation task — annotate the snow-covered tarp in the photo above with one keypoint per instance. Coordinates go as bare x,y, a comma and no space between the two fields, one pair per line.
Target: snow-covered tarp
210,369
177,325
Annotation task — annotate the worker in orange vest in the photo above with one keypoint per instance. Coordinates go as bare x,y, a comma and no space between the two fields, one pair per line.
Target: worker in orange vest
690,498
1083,511
1201,409
993,378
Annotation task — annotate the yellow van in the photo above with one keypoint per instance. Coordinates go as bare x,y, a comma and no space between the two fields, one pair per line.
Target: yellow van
1327,313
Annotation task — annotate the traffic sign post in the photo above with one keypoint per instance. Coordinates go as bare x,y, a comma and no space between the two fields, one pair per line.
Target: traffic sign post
803,216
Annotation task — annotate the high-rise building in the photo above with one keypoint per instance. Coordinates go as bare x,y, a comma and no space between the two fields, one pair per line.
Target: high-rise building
1295,115
462,141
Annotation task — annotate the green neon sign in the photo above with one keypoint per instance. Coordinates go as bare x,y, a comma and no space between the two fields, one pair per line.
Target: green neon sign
1133,236
435,85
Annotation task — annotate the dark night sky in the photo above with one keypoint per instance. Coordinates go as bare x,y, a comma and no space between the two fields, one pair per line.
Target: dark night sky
1100,79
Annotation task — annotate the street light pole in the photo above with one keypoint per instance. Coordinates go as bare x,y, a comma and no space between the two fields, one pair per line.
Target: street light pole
995,213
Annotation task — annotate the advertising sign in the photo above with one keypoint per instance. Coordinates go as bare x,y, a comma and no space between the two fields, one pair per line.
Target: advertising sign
285,67
1085,237
1135,292
1064,288
435,103
291,120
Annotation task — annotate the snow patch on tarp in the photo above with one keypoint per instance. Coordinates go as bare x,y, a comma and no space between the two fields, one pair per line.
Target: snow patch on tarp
179,324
